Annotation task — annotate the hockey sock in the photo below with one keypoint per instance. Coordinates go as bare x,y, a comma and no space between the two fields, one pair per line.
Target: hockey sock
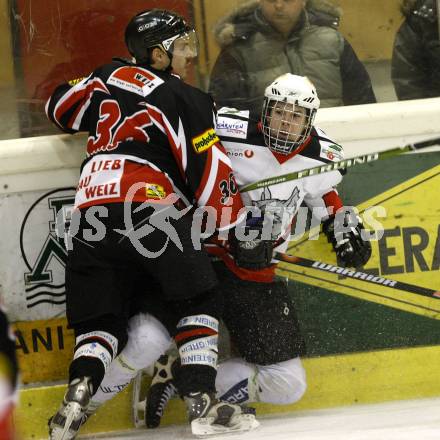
148,339
94,352
197,339
90,367
116,378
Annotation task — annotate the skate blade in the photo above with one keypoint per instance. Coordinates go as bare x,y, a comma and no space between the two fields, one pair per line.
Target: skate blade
205,427
138,405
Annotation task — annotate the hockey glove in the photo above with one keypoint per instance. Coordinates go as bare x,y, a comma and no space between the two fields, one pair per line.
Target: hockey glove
344,233
254,253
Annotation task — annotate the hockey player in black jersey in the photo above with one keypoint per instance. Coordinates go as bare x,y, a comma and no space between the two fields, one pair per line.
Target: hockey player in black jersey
259,312
152,153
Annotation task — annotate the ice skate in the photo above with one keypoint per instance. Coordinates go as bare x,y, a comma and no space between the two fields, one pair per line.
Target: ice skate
148,410
209,416
64,425
161,390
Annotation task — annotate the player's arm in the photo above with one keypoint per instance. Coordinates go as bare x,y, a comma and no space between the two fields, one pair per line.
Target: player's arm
342,227
68,106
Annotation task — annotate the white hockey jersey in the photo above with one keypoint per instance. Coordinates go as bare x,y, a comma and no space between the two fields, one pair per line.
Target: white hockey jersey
253,161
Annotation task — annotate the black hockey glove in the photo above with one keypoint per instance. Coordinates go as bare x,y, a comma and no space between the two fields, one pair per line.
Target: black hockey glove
344,232
253,253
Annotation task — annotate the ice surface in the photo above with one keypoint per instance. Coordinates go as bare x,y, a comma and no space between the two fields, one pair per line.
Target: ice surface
403,420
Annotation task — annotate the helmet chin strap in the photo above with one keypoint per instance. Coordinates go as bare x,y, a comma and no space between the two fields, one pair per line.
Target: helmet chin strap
170,57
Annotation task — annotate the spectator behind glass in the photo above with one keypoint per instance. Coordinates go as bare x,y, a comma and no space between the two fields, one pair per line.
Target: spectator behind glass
415,66
263,39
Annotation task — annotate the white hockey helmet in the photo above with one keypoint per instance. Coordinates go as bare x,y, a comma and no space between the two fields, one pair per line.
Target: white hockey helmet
289,109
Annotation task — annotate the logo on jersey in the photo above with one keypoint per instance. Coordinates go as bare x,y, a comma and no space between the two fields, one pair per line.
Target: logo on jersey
232,127
134,79
75,81
205,141
237,152
332,152
155,191
279,211
44,282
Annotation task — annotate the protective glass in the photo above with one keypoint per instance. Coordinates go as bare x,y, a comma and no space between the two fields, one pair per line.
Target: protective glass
184,45
285,126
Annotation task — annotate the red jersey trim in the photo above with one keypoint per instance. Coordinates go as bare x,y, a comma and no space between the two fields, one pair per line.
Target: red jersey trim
281,158
332,201
265,275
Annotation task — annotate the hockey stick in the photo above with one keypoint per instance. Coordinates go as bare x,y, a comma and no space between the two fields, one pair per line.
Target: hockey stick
347,163
358,275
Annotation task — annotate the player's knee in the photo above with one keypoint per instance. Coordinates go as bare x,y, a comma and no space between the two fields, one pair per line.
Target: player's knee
105,332
282,383
209,302
148,339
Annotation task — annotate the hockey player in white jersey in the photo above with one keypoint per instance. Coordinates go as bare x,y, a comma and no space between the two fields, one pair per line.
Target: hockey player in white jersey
259,312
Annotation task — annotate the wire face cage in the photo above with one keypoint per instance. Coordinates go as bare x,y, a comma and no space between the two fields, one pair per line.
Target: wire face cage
285,125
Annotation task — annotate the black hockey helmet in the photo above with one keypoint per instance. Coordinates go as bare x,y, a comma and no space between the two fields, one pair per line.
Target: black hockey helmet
158,28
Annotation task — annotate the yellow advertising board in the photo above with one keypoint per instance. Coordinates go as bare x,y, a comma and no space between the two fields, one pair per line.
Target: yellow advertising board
44,349
408,251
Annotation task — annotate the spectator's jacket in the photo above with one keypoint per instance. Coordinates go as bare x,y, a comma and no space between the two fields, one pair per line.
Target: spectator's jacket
254,54
415,68
150,135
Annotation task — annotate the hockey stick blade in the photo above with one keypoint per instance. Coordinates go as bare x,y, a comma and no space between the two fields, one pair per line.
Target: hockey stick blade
204,426
343,164
358,275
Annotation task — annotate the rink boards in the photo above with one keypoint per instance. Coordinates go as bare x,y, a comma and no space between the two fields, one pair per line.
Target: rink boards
333,381
366,343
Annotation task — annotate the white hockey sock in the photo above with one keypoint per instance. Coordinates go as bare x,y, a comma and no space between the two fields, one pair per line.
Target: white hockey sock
117,377
147,340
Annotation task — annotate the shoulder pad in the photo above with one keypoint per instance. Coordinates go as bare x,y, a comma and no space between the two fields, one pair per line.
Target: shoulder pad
123,61
330,150
233,112
322,148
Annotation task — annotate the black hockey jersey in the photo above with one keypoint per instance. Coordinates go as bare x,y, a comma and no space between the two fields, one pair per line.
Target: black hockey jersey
145,126
253,161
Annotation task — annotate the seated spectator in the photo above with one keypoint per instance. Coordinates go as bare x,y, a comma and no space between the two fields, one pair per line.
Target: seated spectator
415,66
263,39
